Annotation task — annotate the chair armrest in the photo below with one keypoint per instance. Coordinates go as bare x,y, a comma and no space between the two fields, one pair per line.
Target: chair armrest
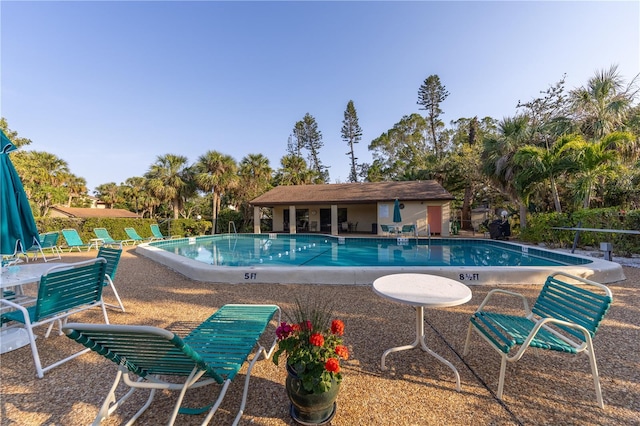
506,292
17,306
541,323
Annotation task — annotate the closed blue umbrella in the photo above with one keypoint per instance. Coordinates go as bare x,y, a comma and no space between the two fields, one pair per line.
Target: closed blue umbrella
397,217
16,218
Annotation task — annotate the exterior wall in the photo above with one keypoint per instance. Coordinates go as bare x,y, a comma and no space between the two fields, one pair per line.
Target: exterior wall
414,213
362,217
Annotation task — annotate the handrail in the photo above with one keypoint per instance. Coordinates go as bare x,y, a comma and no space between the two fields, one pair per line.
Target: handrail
579,229
169,219
234,227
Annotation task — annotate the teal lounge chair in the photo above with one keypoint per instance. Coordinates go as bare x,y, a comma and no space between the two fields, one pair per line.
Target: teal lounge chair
158,235
73,240
212,353
104,235
133,234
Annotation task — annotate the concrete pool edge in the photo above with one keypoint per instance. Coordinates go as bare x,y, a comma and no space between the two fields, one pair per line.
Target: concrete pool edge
597,270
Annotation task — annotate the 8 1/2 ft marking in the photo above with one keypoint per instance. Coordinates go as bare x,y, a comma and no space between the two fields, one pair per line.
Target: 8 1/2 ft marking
469,277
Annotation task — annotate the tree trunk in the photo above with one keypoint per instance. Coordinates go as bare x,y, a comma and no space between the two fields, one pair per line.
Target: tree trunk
214,212
556,197
466,210
523,215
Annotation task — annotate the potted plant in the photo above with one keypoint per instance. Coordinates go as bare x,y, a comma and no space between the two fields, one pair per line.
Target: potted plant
313,344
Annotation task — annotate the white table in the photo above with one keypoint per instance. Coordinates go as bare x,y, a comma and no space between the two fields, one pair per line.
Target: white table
14,277
25,274
420,291
95,242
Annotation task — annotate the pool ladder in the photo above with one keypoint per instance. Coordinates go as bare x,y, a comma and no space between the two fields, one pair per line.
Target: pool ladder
232,224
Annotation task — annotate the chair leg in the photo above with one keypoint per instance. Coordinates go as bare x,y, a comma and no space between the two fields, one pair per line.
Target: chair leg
193,377
34,352
115,293
594,371
246,385
503,368
465,351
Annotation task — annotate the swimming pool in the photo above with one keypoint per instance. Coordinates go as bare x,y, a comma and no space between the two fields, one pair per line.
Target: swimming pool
322,259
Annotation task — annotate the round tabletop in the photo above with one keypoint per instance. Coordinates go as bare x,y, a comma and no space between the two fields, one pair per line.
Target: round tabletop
25,273
422,290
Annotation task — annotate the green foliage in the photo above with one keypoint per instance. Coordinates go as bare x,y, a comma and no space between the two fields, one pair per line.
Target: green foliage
229,215
539,229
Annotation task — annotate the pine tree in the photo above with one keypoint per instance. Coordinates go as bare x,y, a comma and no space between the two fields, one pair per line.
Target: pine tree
351,134
430,95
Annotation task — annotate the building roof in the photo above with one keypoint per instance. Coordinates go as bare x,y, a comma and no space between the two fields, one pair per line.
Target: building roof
89,212
354,193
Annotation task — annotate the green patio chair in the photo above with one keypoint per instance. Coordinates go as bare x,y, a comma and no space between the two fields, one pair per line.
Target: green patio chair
212,353
112,256
409,230
104,235
388,230
73,240
63,290
48,242
137,239
564,318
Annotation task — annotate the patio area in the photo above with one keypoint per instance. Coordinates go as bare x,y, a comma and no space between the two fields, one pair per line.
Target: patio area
542,388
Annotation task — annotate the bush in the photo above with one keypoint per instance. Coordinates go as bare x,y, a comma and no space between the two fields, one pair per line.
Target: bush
539,229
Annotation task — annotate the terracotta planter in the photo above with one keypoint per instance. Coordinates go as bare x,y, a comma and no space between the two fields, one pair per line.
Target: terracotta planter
308,408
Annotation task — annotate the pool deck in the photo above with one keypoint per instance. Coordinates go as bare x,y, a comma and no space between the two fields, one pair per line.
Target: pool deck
542,388
598,270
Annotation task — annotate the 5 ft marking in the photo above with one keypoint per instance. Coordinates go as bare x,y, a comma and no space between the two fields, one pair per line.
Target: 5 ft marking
250,275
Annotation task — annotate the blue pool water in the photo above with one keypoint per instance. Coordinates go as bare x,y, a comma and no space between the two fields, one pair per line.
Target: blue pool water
278,250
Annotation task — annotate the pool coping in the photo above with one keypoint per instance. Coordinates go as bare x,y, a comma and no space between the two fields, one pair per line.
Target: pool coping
597,270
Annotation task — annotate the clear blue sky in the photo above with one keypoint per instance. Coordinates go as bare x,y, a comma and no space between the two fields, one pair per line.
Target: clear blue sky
109,86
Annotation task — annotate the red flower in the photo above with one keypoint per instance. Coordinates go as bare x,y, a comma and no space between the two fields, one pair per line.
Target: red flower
306,325
283,331
332,365
295,327
316,339
342,352
337,327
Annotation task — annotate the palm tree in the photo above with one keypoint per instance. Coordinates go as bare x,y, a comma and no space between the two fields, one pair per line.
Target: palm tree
255,174
108,193
498,163
167,179
538,164
43,176
134,190
215,172
293,171
594,162
77,187
602,106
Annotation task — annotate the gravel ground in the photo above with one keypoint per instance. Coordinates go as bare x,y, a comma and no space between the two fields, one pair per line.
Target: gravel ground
542,388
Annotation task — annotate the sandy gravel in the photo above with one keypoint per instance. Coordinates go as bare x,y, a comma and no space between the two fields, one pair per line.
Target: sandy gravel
542,388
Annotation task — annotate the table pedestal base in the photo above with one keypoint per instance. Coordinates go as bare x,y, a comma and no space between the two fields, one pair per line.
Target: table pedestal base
420,341
12,338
